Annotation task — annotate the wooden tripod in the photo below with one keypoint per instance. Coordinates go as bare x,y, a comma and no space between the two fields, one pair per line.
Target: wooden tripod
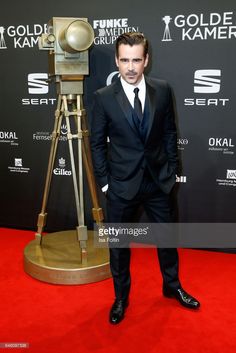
71,106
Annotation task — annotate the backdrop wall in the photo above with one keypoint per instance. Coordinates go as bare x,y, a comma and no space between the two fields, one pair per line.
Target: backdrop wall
193,48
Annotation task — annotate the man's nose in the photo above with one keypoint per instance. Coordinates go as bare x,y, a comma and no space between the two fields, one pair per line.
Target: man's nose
130,65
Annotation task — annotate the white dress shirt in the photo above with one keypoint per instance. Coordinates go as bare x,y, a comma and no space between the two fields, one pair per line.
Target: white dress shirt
129,91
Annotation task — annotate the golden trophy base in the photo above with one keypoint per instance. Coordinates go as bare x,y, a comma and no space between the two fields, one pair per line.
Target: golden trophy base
58,259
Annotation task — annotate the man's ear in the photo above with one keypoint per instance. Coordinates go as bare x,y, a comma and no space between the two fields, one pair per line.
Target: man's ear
146,61
116,60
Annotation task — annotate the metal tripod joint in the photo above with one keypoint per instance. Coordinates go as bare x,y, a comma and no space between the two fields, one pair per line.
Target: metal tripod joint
57,113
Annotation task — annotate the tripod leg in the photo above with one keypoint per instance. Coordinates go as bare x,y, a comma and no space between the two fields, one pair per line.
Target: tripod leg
55,136
81,229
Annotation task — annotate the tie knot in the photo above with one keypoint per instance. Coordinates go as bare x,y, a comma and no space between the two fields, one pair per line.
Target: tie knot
136,90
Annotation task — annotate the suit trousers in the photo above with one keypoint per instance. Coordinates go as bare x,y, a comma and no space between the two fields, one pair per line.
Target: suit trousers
157,207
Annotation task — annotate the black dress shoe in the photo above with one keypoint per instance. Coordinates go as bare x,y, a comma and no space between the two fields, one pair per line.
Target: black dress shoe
183,297
117,311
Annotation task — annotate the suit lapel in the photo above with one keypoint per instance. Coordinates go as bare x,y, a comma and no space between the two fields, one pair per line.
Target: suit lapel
151,101
124,104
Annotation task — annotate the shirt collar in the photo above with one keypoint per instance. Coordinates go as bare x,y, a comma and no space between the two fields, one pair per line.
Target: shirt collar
128,87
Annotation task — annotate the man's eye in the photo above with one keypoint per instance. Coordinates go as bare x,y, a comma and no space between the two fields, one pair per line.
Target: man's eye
138,60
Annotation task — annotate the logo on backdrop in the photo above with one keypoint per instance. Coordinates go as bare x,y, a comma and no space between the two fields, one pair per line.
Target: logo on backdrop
230,178
38,85
202,26
221,144
46,136
61,169
2,39
181,179
64,129
9,137
166,35
182,143
107,30
112,77
22,36
18,162
231,174
206,81
18,167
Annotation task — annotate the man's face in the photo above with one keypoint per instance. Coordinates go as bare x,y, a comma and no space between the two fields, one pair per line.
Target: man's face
131,63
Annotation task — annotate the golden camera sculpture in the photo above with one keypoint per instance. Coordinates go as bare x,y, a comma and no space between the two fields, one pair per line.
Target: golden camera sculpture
69,257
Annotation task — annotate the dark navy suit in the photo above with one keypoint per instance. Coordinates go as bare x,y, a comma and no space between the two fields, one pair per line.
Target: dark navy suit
139,166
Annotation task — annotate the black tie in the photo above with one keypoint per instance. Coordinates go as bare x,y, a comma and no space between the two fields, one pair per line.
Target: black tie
137,104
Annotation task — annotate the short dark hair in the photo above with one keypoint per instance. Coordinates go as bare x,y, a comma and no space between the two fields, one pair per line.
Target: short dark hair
132,38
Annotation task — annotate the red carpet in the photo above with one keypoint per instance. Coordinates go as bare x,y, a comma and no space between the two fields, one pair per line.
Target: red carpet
67,319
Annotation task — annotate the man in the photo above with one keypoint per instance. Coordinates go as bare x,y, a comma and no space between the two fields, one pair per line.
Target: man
140,168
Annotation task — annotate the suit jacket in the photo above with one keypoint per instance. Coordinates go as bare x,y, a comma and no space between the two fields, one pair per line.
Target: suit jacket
121,162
